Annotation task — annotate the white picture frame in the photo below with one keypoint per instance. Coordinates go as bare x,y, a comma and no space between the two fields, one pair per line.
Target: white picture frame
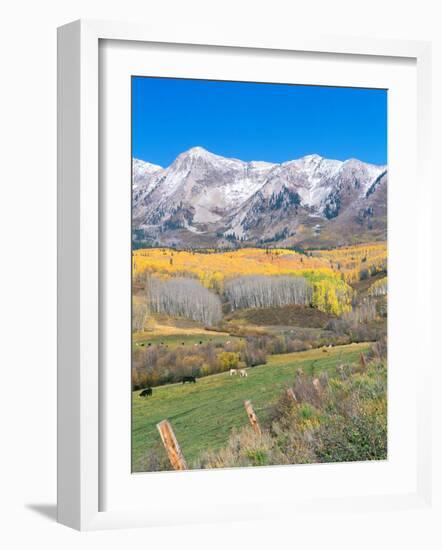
80,270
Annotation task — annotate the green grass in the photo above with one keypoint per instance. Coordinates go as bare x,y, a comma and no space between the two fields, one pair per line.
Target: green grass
203,414
174,340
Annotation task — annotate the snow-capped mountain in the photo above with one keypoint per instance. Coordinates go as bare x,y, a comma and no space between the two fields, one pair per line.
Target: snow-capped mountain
143,176
142,171
203,199
197,188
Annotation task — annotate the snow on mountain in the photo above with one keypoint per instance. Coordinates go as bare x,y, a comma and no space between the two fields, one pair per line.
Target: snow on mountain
210,195
144,178
205,184
307,187
142,171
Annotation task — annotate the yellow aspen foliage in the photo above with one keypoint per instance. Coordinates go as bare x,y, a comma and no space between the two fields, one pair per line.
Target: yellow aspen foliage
330,272
228,360
325,297
319,299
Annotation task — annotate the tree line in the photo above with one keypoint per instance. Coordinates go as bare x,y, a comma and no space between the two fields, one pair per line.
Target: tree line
257,291
183,297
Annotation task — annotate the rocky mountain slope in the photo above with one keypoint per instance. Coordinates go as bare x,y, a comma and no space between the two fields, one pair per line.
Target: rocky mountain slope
203,199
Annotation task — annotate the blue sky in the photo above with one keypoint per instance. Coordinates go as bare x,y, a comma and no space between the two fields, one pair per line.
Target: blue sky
271,122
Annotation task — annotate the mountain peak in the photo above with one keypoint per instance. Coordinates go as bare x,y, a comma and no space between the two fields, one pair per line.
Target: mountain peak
358,162
199,151
147,166
310,158
199,155
143,172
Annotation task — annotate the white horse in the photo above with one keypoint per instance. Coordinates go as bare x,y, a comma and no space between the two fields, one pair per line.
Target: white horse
243,373
233,371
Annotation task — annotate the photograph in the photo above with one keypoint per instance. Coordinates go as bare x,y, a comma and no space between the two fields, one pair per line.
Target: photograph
259,274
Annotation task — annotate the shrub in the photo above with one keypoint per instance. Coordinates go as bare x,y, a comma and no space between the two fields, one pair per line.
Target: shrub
155,460
253,354
297,345
245,448
344,419
379,349
228,360
361,436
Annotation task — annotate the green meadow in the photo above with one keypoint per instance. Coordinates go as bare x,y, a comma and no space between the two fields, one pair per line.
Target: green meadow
203,414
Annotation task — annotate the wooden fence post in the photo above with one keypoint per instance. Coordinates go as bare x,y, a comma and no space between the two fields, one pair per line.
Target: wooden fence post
291,394
362,361
171,445
252,417
317,385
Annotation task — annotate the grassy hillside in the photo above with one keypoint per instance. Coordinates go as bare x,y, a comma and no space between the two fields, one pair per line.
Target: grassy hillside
204,413
179,339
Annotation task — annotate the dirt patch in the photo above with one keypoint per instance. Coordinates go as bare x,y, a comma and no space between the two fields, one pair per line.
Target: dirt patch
292,315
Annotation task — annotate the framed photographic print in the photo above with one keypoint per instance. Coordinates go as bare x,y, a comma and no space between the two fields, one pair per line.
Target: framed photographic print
261,284
229,215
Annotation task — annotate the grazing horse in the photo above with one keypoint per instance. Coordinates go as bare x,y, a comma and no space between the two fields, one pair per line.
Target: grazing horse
146,392
233,372
243,373
189,379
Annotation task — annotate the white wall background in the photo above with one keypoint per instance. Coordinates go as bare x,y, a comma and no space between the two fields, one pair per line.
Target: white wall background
28,273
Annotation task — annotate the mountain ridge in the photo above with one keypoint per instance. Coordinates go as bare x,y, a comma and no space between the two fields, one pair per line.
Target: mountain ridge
202,199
